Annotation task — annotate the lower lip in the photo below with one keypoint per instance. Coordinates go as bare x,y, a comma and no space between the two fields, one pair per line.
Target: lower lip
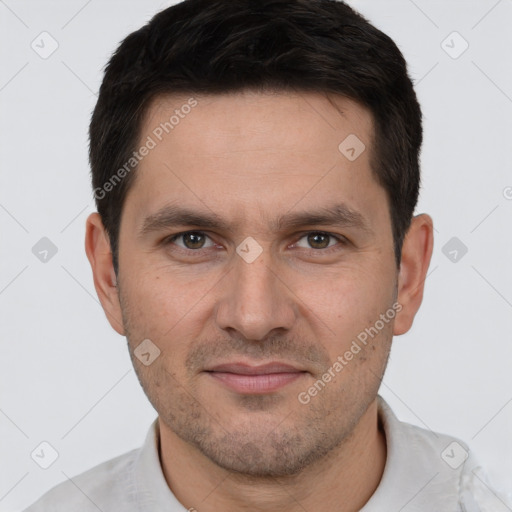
256,384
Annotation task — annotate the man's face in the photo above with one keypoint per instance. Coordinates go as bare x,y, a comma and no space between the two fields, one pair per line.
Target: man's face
217,308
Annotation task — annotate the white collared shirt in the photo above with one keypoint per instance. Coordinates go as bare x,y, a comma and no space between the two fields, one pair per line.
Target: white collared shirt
424,471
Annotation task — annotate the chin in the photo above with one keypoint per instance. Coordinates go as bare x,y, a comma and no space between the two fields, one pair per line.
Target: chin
264,455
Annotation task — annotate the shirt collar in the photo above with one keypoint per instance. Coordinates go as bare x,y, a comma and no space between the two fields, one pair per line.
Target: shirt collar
152,490
415,476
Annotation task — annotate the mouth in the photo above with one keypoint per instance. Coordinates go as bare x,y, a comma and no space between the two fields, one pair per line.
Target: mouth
251,379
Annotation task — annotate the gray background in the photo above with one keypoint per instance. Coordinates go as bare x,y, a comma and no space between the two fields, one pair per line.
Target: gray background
66,377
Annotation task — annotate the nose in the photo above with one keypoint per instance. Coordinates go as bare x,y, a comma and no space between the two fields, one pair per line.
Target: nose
255,300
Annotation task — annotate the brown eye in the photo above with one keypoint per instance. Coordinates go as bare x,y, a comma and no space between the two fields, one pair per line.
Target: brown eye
318,240
321,242
192,240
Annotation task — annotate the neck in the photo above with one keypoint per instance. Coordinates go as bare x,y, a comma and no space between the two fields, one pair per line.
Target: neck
344,480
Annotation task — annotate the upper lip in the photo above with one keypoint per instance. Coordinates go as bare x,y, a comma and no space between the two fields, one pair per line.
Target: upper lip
246,369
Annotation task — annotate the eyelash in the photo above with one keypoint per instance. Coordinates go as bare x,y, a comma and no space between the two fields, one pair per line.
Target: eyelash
342,241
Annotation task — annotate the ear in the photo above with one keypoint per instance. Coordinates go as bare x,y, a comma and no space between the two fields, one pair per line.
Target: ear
416,255
99,254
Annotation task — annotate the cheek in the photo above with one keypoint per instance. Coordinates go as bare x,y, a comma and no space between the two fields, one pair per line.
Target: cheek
347,302
149,307
157,293
166,308
350,290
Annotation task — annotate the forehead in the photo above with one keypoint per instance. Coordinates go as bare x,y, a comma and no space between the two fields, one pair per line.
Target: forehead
234,152
246,119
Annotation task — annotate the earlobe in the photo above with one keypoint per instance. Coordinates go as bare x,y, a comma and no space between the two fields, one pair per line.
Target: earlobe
97,248
416,255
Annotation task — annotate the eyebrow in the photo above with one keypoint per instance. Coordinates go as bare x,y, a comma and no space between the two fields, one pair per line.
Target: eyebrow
172,215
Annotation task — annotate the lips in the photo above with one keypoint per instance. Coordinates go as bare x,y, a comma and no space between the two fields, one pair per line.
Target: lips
252,379
263,369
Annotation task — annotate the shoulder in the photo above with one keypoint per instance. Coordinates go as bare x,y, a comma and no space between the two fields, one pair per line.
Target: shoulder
430,470
480,495
105,487
459,467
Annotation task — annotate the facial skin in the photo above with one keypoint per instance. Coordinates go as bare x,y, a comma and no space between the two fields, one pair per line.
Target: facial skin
250,158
